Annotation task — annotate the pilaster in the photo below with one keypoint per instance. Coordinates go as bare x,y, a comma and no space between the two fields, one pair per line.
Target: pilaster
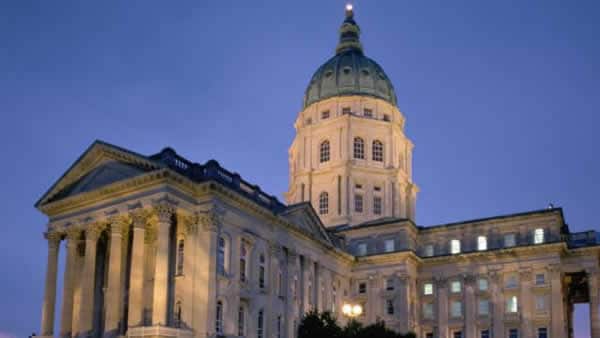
404,302
441,290
594,289
211,222
558,303
497,308
164,212
470,307
526,303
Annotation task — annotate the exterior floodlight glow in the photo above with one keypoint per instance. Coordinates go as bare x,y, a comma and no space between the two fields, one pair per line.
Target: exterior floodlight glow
347,309
349,7
357,310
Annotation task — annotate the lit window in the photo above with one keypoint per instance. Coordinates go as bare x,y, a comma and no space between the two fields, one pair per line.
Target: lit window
513,333
485,334
377,205
428,289
538,236
481,243
540,303
389,245
241,322
512,305
540,279
361,249
221,255
455,246
542,332
483,284
484,307
429,250
428,310
455,286
261,324
389,307
389,284
510,240
243,265
377,151
358,203
261,272
368,112
325,115
359,148
180,249
324,203
346,110
219,318
362,287
456,308
324,151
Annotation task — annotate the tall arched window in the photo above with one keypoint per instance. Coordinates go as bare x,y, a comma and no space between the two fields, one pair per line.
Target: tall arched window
324,203
222,247
377,151
260,325
180,257
324,151
359,148
219,318
241,321
243,261
261,271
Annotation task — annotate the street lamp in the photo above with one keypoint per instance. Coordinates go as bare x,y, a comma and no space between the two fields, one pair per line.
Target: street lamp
352,310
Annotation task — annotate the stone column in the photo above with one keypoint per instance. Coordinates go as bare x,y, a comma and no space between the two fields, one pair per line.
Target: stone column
526,303
86,317
497,308
161,268
559,323
291,308
190,243
66,317
594,289
113,292
404,302
441,295
136,275
207,276
470,307
50,290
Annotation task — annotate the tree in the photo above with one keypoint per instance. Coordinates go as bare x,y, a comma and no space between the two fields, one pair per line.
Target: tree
324,325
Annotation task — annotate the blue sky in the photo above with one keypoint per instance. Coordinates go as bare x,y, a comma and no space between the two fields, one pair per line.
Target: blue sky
500,97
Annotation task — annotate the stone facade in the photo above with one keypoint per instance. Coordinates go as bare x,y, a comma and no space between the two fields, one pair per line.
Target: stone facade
159,246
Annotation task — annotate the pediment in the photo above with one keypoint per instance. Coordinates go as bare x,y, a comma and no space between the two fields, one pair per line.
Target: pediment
304,217
100,165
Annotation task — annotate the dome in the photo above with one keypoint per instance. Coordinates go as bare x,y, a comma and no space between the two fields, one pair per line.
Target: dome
349,72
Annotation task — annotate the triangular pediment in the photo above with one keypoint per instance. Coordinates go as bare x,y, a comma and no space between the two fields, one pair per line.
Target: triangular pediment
100,165
304,217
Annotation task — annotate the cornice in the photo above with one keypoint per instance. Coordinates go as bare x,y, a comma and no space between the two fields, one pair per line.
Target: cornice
394,257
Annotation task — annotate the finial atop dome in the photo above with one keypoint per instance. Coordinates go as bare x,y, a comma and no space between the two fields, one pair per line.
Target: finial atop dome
349,33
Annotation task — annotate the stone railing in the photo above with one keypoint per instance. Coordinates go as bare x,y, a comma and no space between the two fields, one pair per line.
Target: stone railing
159,331
583,239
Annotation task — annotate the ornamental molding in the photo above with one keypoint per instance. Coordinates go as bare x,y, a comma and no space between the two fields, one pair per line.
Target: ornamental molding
212,219
187,224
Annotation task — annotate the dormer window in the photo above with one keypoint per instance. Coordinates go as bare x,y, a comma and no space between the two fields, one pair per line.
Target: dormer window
325,115
346,110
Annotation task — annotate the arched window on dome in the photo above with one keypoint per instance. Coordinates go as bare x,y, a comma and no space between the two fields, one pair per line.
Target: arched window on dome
324,151
324,203
359,148
377,151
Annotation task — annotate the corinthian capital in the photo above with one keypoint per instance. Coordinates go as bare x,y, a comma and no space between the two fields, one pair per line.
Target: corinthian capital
119,224
53,238
212,219
164,211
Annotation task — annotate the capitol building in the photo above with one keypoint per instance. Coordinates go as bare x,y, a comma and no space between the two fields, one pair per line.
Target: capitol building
161,246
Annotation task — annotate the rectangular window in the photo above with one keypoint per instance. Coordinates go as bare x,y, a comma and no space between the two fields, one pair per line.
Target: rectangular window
540,303
429,250
346,110
484,307
428,289
483,284
389,307
362,287
386,117
481,243
510,240
538,236
325,115
455,286
358,203
456,308
377,205
389,284
540,279
368,112
377,188
512,305
455,246
429,335
485,334
513,333
512,282
361,249
542,332
457,334
389,245
428,311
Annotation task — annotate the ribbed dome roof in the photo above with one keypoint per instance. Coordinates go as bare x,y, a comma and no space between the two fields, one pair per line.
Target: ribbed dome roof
349,72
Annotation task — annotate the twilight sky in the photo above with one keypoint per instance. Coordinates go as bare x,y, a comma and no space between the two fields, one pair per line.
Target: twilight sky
500,97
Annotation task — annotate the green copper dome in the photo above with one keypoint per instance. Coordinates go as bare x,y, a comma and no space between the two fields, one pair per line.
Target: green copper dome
349,72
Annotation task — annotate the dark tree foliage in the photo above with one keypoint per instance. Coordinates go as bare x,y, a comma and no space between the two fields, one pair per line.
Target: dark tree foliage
324,325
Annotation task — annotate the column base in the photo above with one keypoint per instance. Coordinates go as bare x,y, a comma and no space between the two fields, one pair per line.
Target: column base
159,332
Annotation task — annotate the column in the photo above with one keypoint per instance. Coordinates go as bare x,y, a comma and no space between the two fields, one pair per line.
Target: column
207,276
291,272
442,306
190,244
161,268
50,290
136,275
66,317
497,308
470,307
113,292
404,302
594,290
559,323
86,324
526,303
